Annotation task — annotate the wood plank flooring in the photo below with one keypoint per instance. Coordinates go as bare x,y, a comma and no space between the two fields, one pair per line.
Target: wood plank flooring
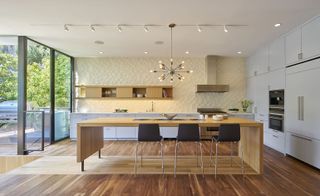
282,176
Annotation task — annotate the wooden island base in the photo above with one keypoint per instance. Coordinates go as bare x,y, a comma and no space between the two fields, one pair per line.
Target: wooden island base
90,136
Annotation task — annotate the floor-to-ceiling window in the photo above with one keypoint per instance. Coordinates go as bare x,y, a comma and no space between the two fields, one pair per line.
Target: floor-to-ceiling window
38,114
35,95
8,94
62,92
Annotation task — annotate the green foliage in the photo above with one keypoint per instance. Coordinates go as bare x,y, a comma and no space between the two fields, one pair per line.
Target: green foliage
38,77
62,80
8,77
245,104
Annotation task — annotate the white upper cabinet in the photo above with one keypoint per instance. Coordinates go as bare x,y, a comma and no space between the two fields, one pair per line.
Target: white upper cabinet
277,79
251,82
277,54
293,46
251,68
311,38
262,95
262,60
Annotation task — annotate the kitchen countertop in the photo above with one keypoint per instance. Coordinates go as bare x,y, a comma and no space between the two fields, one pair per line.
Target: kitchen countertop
136,122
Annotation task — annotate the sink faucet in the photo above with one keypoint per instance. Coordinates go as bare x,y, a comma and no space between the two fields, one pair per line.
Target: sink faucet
152,107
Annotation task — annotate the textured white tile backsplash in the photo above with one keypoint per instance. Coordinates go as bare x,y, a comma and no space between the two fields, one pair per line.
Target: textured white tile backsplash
135,71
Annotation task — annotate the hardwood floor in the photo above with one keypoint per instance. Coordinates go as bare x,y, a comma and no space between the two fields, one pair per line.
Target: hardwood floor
282,176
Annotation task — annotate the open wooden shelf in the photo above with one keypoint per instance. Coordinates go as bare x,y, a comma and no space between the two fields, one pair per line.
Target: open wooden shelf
123,92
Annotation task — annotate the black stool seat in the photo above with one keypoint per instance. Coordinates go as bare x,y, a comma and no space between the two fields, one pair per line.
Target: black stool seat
228,133
188,132
149,132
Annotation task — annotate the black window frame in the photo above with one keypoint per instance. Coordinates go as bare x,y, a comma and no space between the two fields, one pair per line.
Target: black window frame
22,84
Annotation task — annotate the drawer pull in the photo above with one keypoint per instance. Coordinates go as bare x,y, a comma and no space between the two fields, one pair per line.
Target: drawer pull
300,137
275,136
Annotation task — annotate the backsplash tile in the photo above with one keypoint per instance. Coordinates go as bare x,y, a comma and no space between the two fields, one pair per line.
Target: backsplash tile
135,71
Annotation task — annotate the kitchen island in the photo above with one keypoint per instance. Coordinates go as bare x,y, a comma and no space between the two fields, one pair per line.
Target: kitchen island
131,133
90,135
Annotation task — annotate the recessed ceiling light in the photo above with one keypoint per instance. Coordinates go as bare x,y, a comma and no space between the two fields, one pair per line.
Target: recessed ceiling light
277,25
187,52
158,42
99,42
100,52
146,52
239,52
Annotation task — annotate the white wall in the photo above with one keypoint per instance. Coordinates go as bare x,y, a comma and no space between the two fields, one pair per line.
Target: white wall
135,71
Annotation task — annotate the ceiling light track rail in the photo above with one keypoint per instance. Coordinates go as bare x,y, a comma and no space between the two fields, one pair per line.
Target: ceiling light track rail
146,27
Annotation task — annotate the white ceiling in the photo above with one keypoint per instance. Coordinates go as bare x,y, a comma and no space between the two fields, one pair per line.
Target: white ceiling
23,17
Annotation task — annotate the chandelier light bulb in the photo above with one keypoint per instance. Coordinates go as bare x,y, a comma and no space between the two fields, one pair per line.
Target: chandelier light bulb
170,72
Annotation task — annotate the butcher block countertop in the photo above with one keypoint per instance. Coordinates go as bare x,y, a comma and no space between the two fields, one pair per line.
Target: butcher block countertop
163,122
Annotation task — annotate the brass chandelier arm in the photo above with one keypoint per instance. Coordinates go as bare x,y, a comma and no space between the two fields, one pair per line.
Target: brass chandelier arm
170,71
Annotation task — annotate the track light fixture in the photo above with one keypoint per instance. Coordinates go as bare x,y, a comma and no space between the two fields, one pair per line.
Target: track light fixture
66,28
225,29
199,29
92,28
119,28
146,29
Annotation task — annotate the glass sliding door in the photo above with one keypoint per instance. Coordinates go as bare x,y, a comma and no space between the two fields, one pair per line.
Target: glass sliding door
62,93
38,114
8,94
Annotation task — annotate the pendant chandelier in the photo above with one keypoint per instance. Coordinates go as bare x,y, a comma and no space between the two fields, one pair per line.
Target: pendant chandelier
171,71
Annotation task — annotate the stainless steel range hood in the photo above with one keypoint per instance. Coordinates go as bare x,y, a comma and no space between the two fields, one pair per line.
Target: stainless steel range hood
212,85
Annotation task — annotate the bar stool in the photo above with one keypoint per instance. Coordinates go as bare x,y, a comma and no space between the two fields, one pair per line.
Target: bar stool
148,133
188,132
227,133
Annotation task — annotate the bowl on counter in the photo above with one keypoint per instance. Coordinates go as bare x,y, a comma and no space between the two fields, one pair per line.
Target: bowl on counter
217,117
169,116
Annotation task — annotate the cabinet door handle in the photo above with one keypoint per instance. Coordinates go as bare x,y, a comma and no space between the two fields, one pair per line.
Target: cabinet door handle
301,137
302,107
299,113
275,136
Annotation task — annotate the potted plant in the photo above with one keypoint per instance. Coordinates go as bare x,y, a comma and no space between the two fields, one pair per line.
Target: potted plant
245,104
